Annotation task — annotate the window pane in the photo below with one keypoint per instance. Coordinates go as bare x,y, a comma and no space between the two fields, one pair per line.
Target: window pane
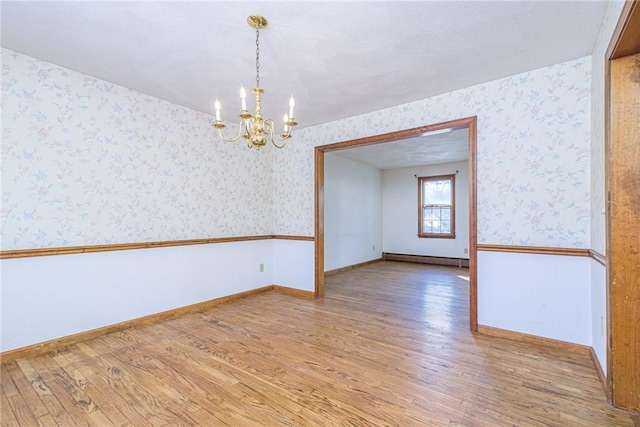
436,219
437,192
436,206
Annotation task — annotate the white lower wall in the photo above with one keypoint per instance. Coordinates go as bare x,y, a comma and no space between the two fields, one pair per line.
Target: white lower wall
544,295
294,264
44,298
599,312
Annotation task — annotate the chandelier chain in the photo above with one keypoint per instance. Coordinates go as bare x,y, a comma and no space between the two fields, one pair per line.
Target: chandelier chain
257,58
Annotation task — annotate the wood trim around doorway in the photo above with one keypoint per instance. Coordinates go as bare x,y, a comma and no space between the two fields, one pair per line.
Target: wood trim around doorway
471,124
622,178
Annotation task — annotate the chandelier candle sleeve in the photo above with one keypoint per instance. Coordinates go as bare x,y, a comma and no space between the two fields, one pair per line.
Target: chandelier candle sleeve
292,104
217,108
286,127
243,98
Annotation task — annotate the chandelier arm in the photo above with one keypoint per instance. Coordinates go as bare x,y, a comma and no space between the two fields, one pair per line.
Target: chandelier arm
237,137
272,134
284,136
273,141
268,127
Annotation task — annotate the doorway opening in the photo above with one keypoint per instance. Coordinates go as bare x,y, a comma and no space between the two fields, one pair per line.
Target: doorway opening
469,123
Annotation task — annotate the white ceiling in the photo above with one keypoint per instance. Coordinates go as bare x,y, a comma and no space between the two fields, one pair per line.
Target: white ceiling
339,59
427,149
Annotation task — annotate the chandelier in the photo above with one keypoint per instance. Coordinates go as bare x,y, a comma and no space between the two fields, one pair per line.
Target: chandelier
253,127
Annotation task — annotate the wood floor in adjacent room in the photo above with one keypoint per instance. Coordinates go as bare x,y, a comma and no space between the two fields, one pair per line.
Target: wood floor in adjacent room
388,345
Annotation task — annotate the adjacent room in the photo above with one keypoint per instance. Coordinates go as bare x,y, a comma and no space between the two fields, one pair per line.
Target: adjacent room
320,213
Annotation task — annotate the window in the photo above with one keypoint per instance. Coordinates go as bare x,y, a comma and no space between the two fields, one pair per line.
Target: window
436,206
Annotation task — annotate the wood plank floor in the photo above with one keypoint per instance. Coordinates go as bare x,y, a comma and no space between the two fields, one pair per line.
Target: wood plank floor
388,345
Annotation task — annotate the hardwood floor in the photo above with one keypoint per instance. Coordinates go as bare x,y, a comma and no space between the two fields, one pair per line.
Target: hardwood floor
388,345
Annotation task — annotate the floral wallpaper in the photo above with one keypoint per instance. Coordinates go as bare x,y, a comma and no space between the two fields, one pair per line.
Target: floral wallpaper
86,162
533,155
598,201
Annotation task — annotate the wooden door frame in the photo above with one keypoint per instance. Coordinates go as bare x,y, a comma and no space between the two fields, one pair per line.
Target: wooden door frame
469,123
623,310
